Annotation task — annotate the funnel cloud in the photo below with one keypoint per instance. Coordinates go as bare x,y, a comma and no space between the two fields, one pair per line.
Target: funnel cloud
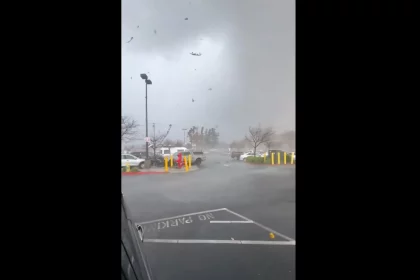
244,75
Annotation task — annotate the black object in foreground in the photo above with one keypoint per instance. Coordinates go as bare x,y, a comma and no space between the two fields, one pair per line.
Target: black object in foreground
134,265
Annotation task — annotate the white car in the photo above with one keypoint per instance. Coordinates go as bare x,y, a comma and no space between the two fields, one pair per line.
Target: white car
248,154
132,161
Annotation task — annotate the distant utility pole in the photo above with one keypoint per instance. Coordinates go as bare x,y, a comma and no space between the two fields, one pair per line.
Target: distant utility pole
154,141
184,129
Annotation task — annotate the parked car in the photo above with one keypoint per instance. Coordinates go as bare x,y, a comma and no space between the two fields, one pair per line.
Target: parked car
133,161
249,154
158,160
196,159
139,154
167,151
236,154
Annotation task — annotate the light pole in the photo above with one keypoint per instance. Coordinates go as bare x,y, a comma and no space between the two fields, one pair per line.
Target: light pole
147,82
184,129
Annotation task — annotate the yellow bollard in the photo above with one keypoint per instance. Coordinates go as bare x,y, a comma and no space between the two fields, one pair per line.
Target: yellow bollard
293,155
165,159
278,158
189,163
264,157
172,160
127,167
186,164
272,158
285,159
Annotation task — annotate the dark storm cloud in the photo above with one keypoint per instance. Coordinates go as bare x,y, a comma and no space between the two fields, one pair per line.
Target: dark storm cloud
253,75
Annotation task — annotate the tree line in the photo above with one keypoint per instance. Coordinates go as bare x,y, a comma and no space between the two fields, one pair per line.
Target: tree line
204,137
259,135
198,137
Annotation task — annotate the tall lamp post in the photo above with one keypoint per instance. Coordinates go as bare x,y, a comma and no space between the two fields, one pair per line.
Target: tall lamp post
147,82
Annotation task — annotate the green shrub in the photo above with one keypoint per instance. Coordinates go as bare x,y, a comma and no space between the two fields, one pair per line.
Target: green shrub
132,169
252,159
255,159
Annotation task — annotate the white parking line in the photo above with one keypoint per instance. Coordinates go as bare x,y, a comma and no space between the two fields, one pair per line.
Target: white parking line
179,216
231,222
206,241
268,242
262,226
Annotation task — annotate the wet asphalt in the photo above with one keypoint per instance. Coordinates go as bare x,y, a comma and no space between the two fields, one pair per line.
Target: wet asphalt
238,191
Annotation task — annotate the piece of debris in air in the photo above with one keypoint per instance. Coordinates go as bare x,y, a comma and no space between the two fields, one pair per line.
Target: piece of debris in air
155,31
193,100
209,88
130,39
131,77
196,54
138,26
186,18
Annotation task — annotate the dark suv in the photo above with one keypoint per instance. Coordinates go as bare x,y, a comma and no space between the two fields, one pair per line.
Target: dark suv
133,261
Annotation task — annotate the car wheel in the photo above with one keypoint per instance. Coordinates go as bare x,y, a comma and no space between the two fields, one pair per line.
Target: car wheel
198,162
141,165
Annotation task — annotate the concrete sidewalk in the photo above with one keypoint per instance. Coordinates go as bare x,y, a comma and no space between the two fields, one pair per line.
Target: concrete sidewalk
170,170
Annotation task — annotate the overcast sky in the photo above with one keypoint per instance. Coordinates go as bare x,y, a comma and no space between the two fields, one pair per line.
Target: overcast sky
248,60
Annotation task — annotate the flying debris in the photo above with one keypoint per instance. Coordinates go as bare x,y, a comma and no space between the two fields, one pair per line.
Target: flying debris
155,31
138,26
186,18
195,69
193,100
196,54
131,77
209,88
130,39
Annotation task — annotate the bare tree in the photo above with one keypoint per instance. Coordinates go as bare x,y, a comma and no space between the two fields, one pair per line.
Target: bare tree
128,128
168,142
129,148
258,136
157,140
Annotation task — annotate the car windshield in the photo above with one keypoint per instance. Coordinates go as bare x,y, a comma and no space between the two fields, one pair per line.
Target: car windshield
216,77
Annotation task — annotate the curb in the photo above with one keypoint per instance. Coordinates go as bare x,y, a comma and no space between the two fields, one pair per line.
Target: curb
156,172
142,173
183,171
267,164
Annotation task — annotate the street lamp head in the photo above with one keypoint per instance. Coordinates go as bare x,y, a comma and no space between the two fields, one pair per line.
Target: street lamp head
149,82
143,76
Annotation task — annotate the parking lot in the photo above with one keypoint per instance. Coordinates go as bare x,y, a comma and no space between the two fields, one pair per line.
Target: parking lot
228,220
